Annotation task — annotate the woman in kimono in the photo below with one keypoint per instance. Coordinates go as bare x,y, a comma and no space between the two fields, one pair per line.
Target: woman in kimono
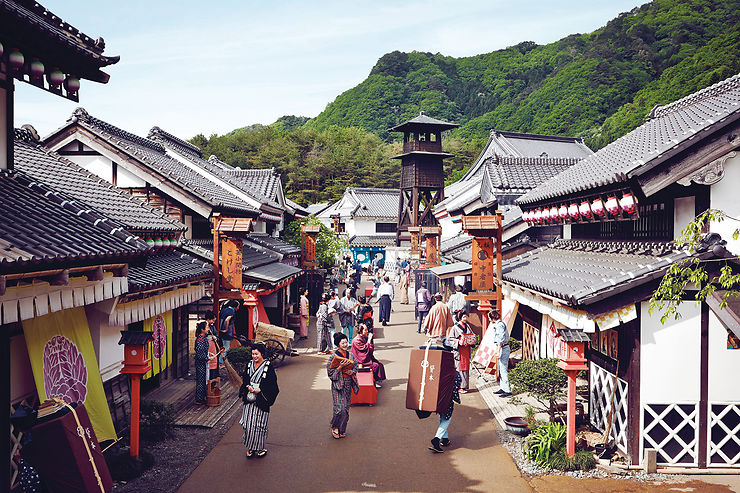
304,314
342,374
365,313
323,327
362,349
460,348
258,392
405,278
201,363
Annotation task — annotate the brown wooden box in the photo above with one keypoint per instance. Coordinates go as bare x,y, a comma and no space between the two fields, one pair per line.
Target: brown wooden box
439,380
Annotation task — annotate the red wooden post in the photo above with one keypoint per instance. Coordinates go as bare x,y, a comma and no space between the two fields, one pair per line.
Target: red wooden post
251,303
136,362
135,412
572,360
570,443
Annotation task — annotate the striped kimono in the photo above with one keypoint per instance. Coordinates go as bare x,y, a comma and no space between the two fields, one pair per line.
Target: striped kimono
341,391
255,414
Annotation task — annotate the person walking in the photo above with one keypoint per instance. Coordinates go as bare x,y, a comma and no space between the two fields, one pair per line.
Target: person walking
323,342
461,348
385,297
405,278
457,301
342,371
365,313
304,314
441,437
226,328
258,392
201,362
346,306
334,311
439,318
501,342
423,304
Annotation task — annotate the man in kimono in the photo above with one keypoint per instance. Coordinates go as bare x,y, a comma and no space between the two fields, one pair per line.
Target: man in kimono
439,318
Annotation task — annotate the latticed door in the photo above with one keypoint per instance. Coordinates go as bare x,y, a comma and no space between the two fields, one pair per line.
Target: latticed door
530,342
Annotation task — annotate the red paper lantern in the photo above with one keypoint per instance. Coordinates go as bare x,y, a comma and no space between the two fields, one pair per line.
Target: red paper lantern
538,216
597,207
72,84
554,216
563,212
16,59
628,203
36,69
585,210
55,78
545,215
612,206
573,211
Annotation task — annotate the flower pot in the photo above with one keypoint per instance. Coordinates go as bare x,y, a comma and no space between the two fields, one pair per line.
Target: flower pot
517,425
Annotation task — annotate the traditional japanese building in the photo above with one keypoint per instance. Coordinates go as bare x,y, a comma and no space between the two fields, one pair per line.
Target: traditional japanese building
618,211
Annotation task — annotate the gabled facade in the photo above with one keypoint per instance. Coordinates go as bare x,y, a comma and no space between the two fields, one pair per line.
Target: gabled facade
618,211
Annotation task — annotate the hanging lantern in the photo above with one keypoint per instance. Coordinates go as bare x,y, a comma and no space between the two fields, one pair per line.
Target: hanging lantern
538,216
525,216
545,215
628,203
158,243
573,211
149,242
554,216
612,207
55,78
36,69
597,207
2,49
72,84
563,212
585,210
16,59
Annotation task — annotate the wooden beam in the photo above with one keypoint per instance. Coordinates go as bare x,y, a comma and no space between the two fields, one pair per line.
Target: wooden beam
61,279
703,386
95,274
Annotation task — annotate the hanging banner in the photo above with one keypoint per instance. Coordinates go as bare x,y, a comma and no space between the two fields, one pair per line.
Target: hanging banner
231,264
64,365
483,268
160,348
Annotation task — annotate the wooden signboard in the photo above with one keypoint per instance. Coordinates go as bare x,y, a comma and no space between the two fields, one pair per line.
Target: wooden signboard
414,230
309,232
432,251
483,259
231,264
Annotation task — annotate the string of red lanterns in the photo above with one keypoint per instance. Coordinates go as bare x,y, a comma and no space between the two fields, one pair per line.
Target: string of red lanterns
33,70
586,211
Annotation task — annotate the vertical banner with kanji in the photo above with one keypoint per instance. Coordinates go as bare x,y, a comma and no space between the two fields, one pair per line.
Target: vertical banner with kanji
64,365
415,243
309,248
160,347
483,259
432,253
231,264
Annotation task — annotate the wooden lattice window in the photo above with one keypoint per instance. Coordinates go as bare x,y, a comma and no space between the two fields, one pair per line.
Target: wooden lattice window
385,227
672,430
530,341
602,384
724,435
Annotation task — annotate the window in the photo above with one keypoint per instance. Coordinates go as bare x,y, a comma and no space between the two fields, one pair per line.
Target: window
385,227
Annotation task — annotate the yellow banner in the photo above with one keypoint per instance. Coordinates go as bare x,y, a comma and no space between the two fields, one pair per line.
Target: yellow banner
64,365
160,348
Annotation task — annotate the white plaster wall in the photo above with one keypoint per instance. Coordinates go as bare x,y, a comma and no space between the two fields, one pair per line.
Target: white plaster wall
21,375
126,179
566,232
99,165
724,364
260,227
189,225
684,212
670,355
724,196
449,229
105,340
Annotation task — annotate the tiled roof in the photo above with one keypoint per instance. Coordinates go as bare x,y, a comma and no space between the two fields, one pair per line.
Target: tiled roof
451,244
40,227
376,202
668,129
315,209
31,22
168,268
263,181
212,165
518,175
423,119
454,268
65,176
372,241
273,273
297,207
575,271
275,244
153,155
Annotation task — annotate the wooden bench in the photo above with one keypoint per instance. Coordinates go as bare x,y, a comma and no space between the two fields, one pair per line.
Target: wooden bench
368,393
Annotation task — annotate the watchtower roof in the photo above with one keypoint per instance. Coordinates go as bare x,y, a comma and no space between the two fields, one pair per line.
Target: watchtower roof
423,122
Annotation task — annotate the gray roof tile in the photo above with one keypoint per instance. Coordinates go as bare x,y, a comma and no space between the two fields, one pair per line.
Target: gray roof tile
372,241
168,268
671,126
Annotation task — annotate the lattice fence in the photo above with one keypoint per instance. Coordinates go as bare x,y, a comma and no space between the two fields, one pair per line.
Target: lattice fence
602,383
724,434
530,342
672,429
15,439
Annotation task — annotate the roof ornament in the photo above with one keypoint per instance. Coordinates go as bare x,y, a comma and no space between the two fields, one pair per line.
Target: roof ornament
79,113
654,112
99,44
31,132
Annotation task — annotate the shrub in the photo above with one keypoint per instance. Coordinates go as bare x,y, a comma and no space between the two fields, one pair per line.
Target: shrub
582,460
541,379
239,357
157,420
543,442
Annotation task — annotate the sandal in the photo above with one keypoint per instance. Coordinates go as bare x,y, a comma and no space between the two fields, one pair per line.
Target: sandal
335,434
261,453
342,435
250,454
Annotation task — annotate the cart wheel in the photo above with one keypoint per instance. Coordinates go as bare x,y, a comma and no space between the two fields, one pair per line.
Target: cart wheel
275,351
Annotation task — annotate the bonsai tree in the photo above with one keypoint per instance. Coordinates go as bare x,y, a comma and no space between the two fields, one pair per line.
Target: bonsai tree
541,379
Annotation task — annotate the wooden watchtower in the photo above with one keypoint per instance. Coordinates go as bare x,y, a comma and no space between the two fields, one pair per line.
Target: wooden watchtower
422,172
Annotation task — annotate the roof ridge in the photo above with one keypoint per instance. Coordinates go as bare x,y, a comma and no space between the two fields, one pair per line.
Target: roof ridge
156,133
81,115
701,95
554,138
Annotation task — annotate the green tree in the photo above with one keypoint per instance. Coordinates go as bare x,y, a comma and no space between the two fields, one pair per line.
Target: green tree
704,276
328,245
541,379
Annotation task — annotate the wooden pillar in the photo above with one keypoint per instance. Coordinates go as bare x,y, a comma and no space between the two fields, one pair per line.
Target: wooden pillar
309,232
135,412
5,403
216,269
703,386
570,441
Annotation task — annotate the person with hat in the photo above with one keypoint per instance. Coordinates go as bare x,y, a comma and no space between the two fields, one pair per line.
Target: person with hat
439,318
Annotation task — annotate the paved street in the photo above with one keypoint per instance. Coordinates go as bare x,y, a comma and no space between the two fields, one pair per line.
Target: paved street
386,445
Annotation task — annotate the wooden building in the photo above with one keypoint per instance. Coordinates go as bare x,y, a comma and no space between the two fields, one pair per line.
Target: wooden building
618,211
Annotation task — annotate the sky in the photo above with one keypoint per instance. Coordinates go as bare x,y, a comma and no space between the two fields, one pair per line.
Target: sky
196,67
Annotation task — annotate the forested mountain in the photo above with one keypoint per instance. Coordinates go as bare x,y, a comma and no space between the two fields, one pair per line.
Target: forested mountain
598,86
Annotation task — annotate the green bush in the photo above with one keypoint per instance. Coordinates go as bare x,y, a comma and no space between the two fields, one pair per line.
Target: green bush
239,357
582,460
157,420
514,344
541,379
544,441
